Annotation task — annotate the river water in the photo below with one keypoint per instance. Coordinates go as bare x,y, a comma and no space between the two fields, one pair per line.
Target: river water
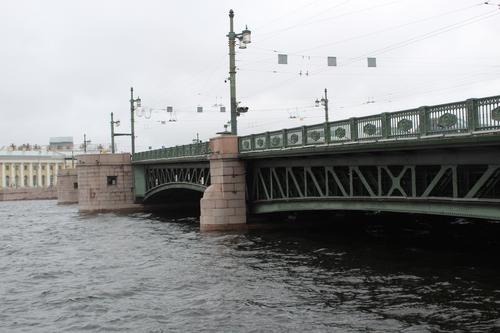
65,272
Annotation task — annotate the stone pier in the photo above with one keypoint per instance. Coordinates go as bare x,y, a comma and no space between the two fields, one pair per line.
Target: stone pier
223,206
105,183
67,186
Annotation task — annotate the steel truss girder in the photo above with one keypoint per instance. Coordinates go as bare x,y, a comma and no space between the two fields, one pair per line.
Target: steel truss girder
445,181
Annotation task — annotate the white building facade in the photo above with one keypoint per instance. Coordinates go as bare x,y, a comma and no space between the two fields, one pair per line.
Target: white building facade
20,169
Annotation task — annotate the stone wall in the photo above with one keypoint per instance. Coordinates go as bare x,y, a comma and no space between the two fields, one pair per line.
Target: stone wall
105,183
223,205
32,193
67,186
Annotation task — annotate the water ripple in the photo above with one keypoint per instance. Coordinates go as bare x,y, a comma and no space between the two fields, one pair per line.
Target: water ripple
65,272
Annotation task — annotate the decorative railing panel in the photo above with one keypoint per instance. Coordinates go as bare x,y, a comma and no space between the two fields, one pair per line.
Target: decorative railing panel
191,150
294,137
404,123
315,135
470,116
276,139
488,113
450,117
340,131
369,127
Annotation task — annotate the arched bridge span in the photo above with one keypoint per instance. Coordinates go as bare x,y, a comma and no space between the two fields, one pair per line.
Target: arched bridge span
174,180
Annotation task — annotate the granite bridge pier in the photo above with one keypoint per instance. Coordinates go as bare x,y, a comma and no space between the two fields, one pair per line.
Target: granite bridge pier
442,160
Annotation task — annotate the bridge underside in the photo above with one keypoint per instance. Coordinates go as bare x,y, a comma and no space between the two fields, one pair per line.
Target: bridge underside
178,184
174,192
454,182
431,206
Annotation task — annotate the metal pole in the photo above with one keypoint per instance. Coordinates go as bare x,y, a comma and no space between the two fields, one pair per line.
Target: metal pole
132,132
232,74
112,134
85,143
326,106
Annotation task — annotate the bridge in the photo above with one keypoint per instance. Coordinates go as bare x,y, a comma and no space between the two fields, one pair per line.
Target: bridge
442,159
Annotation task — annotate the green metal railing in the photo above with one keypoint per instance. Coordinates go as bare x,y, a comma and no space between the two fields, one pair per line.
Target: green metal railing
470,116
191,150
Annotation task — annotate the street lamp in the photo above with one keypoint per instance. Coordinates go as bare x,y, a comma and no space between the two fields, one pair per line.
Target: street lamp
134,103
244,38
324,102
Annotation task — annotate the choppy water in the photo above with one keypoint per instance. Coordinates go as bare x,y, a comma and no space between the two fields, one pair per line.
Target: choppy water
62,272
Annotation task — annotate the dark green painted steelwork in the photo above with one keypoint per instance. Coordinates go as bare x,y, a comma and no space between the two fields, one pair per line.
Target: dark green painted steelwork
442,159
441,181
161,177
191,150
432,207
472,117
139,180
173,187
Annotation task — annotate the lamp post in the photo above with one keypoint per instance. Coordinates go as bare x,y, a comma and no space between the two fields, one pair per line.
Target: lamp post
85,141
244,38
133,104
324,102
113,123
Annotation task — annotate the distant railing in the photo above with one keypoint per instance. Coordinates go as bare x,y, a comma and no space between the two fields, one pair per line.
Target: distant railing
191,150
472,115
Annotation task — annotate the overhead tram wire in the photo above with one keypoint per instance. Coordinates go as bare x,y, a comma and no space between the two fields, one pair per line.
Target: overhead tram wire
286,14
412,40
390,28
451,27
399,95
322,11
273,33
427,35
301,52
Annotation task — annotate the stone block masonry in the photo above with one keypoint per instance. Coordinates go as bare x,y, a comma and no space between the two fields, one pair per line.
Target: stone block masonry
105,183
223,206
28,193
67,186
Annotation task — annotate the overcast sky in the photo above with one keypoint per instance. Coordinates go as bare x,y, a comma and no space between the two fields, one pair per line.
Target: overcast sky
66,65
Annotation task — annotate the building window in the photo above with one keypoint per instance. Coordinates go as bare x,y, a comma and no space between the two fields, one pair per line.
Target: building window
43,167
25,180
75,186
25,167
43,181
7,181
51,181
112,180
35,181
7,167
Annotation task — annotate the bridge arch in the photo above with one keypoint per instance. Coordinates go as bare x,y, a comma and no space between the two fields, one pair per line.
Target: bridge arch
173,188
